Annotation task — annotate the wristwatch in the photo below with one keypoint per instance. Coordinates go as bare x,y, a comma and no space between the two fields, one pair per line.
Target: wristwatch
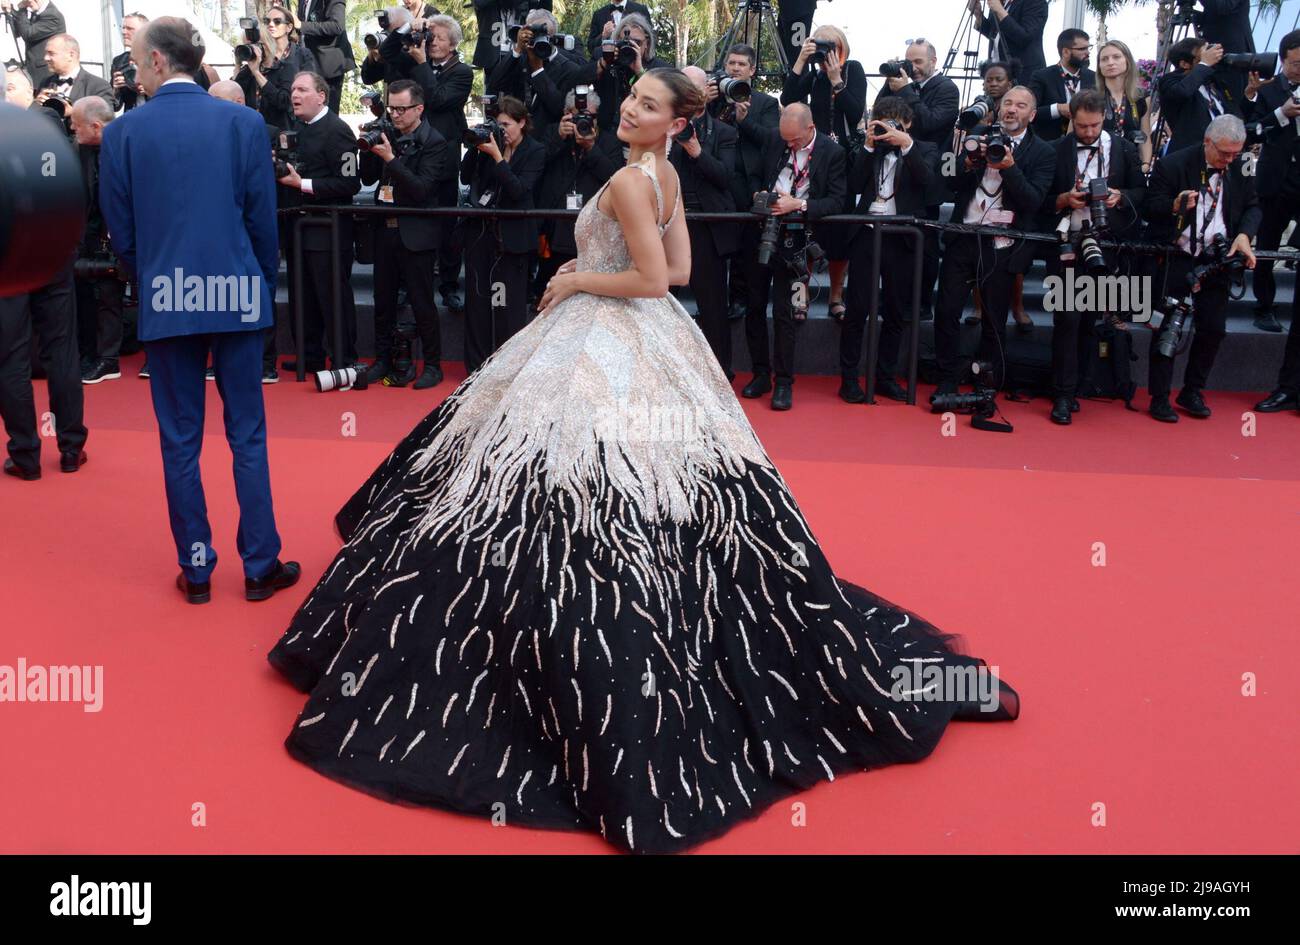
839,87
804,207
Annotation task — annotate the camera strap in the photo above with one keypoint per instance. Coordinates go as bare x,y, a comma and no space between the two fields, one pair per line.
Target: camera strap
1214,194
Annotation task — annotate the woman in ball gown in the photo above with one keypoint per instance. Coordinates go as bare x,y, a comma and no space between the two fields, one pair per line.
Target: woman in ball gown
579,594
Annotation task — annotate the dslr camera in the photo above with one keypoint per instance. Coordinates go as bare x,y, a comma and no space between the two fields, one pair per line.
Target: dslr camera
884,148
542,45
1083,247
790,246
1171,319
734,91
975,113
584,120
244,52
896,69
286,152
372,131
996,146
824,47
99,263
490,129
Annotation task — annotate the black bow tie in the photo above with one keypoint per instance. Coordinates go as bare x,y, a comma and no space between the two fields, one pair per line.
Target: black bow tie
1088,147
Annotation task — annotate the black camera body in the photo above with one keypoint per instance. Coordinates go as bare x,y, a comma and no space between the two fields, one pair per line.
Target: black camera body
622,53
736,91
896,69
60,104
99,263
884,148
584,120
130,75
372,131
824,47
490,129
1176,312
996,145
975,113
286,152
244,52
790,246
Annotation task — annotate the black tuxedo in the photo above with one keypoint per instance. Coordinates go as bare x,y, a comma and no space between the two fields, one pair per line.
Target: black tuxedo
99,301
832,114
570,169
827,194
604,15
1048,86
1025,183
488,14
543,93
35,30
125,98
1175,173
763,117
1020,35
1187,113
325,33
445,93
706,183
414,177
86,83
327,156
1277,180
935,107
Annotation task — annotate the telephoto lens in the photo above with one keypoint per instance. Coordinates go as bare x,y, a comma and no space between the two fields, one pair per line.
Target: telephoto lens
349,378
974,113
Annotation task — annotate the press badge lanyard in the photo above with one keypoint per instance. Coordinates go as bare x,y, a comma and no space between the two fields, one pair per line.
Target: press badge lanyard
1214,203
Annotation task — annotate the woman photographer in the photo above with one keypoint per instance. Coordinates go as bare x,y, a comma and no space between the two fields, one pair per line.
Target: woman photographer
502,173
1127,114
835,88
268,77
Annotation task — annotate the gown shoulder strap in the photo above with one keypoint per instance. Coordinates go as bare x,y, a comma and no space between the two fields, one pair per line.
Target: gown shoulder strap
647,166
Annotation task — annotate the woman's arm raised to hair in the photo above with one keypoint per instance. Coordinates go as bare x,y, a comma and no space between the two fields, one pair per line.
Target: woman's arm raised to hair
632,196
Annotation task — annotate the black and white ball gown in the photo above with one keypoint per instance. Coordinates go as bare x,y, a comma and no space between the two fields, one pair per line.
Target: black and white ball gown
579,595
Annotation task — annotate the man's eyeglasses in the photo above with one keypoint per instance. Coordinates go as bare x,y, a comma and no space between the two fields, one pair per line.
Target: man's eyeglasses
399,110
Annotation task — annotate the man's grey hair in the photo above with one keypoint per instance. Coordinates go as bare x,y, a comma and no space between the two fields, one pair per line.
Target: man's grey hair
641,23
68,40
593,100
93,108
453,29
929,48
543,16
1027,90
1226,128
176,40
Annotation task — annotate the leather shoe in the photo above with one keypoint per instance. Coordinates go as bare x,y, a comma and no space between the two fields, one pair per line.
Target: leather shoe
736,311
1192,402
194,593
27,475
431,376
284,574
72,460
375,373
1074,405
851,391
1161,410
1061,411
1278,401
454,302
891,389
760,385
1267,321
782,397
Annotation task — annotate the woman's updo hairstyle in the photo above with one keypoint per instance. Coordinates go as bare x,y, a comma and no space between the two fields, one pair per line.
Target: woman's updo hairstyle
687,97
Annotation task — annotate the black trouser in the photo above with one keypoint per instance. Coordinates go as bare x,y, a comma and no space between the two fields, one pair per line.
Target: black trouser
709,286
317,299
969,261
50,311
491,276
1071,333
99,317
778,280
1288,379
930,263
449,254
336,93
395,265
1210,315
897,262
1278,212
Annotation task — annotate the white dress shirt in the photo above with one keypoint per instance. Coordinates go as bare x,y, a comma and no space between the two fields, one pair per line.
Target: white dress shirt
785,179
1217,226
988,210
1090,164
887,186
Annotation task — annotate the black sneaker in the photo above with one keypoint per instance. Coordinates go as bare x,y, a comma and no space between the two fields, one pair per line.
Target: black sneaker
210,374
1161,410
104,369
431,376
1193,403
270,376
144,371
1267,321
375,373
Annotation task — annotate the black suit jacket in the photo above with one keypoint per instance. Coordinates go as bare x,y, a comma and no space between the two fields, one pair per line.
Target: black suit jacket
512,185
763,118
125,98
445,93
570,169
325,32
1227,22
84,84
414,176
1021,34
839,117
35,31
95,230
706,180
488,14
1182,171
604,15
917,184
934,109
827,178
1048,86
542,94
1186,111
1124,173
327,156
1279,162
1024,187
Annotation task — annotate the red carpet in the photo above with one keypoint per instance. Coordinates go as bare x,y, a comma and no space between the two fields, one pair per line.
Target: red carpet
1131,673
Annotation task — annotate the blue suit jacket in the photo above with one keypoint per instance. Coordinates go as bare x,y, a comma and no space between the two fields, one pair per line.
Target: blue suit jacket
188,192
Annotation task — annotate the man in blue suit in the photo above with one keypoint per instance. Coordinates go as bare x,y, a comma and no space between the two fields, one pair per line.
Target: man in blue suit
188,193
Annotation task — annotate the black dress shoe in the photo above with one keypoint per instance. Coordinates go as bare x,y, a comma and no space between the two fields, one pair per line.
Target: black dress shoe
1193,403
851,391
1278,401
1267,321
454,302
1161,410
72,460
27,475
890,388
194,593
284,574
782,397
1061,411
736,311
760,385
1074,405
431,376
376,371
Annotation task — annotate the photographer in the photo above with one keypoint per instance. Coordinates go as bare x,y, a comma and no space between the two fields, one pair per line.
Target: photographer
1085,154
126,93
1227,23
324,172
540,83
835,87
1128,113
494,18
267,77
577,165
704,155
67,80
446,82
606,20
502,170
623,58
756,118
409,172
1276,105
1195,92
1196,195
804,172
34,22
99,293
1056,86
324,30
989,192
1015,30
897,175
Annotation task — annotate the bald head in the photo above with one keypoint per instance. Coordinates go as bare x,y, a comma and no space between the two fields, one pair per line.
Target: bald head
88,118
797,128
228,90
18,87
62,54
